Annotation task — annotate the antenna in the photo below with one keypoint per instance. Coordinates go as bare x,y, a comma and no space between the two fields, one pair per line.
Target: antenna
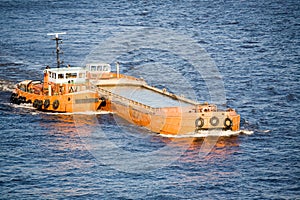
57,46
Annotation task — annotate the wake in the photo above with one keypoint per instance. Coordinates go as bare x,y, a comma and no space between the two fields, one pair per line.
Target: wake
211,133
80,113
7,86
35,111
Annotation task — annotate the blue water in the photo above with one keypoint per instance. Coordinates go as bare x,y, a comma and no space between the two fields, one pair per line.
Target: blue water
255,46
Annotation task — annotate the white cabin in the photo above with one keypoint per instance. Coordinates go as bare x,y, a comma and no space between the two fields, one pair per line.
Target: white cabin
74,75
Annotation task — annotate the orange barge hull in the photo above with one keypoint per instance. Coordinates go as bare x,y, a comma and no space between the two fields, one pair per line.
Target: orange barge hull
170,120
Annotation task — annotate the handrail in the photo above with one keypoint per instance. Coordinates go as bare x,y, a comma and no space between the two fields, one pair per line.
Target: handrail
127,99
171,95
152,109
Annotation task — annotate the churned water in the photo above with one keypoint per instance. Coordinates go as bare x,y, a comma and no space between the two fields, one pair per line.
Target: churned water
254,46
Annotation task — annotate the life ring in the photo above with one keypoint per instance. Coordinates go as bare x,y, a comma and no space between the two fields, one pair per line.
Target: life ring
22,99
55,104
227,123
35,103
39,104
13,97
46,103
17,101
214,121
199,123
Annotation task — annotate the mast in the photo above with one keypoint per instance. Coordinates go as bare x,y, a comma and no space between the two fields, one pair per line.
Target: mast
57,39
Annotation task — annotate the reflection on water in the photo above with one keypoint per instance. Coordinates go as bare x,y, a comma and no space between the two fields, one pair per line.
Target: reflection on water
75,131
88,128
62,124
80,141
62,131
222,147
62,154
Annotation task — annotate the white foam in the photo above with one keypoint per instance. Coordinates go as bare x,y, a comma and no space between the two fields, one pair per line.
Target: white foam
247,132
29,106
264,131
7,86
202,134
23,105
80,113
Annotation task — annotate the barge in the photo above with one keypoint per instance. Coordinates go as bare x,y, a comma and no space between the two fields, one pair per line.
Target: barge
96,88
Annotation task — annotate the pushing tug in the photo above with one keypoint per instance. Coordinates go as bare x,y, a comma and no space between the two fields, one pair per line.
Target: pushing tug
61,89
96,88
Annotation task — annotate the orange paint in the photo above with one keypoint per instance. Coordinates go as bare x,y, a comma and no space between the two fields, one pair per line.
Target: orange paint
80,90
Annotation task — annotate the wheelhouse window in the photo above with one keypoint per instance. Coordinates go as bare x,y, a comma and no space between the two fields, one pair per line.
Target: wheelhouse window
93,68
71,75
99,68
60,76
54,75
105,68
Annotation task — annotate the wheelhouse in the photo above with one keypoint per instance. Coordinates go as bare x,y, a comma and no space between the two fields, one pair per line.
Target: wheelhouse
74,75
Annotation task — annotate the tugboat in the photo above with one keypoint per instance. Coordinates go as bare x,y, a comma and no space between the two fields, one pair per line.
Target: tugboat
63,89
95,87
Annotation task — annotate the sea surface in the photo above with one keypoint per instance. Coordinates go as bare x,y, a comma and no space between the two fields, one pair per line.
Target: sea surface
251,47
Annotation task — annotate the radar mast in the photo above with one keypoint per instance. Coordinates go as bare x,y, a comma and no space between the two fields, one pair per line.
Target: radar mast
57,39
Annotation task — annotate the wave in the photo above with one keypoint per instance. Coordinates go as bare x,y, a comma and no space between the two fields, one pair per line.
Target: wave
29,106
25,105
7,86
205,133
80,113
